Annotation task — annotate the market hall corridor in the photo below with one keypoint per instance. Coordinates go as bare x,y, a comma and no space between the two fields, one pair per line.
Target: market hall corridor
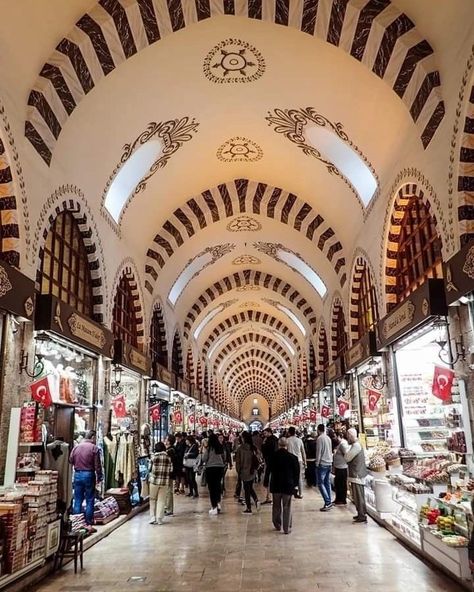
194,552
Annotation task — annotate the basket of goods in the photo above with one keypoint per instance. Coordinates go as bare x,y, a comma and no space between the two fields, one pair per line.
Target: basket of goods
377,464
392,459
454,540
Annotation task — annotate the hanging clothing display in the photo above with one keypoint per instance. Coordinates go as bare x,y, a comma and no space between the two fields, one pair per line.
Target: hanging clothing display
125,465
56,458
110,456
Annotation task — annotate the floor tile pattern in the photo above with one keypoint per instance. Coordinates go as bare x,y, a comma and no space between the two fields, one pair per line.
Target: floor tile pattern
194,552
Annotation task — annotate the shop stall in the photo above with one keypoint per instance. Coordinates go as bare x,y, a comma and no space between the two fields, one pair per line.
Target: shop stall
159,399
334,392
372,410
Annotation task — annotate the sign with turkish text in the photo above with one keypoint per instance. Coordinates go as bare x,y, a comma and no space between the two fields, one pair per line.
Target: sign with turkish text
17,292
459,273
335,370
361,351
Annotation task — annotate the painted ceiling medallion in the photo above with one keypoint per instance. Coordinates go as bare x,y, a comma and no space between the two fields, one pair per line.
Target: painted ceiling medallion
233,61
244,224
239,149
250,304
246,260
248,288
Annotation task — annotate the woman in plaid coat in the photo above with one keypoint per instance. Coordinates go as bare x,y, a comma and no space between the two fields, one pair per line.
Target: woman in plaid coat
160,479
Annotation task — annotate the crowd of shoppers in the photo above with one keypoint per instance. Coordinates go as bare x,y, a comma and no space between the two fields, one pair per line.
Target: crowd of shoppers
328,460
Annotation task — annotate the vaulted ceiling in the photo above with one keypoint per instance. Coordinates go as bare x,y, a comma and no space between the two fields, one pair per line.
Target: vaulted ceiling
253,142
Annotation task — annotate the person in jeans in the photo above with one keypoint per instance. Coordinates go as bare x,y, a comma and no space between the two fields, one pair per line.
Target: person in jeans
175,463
323,466
340,471
246,463
296,447
285,476
190,456
357,471
269,448
85,458
214,460
160,481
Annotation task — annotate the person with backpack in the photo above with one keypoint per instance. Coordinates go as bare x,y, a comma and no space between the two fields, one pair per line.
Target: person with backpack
247,462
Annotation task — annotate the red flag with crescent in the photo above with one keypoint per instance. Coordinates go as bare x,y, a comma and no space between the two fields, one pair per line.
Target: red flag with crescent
312,415
191,419
155,412
118,405
373,399
342,407
442,383
178,417
325,411
40,392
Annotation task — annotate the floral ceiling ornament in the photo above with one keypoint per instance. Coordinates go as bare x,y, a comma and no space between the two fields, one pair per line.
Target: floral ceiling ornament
248,288
292,124
172,134
246,260
244,224
233,61
239,149
250,304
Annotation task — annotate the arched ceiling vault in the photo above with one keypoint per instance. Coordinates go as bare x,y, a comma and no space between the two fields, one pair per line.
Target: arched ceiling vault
242,220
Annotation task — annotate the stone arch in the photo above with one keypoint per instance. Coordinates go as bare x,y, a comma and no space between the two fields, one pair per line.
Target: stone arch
312,362
9,224
242,279
323,348
254,363
361,263
177,364
254,354
158,329
127,269
249,316
377,35
250,339
337,308
400,203
465,185
190,366
71,199
238,197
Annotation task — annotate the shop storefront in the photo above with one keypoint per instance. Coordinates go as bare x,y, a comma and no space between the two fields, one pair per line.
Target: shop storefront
371,410
159,399
334,393
421,490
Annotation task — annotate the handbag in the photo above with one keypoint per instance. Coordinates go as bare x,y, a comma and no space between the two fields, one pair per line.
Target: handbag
190,463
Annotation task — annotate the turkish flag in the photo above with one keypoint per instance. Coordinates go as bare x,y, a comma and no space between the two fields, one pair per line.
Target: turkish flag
118,405
203,420
342,407
191,419
312,415
442,383
178,417
155,412
373,399
40,392
325,411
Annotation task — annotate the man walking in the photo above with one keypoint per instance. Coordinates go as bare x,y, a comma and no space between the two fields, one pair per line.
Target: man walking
85,458
323,466
285,476
357,471
160,482
296,447
269,448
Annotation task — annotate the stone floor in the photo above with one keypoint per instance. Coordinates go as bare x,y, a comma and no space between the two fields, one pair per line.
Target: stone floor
194,552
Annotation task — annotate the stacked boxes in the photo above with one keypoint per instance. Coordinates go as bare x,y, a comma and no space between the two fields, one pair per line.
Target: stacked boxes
25,514
31,421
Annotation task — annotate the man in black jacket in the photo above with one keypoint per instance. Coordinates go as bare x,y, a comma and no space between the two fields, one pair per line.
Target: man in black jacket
269,447
285,475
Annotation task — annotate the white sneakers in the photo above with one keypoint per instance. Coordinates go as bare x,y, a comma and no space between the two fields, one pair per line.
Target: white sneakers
213,512
152,521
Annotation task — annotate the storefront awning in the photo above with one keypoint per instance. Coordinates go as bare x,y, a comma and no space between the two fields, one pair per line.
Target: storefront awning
335,370
319,382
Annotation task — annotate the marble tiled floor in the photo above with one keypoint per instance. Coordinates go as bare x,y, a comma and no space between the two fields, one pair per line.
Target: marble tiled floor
194,552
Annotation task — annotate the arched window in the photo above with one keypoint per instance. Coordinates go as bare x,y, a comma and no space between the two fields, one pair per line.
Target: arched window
64,266
340,335
124,324
158,349
419,249
367,313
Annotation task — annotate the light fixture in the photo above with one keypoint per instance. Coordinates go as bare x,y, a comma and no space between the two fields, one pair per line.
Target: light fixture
38,367
445,353
377,379
117,375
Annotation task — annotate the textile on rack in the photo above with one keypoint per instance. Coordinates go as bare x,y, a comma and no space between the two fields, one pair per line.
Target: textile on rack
125,466
110,457
56,458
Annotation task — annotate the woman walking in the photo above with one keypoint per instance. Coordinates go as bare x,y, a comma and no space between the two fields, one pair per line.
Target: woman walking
247,463
214,460
190,459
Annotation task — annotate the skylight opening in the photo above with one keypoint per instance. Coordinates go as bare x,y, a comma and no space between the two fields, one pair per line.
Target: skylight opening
129,176
293,317
351,165
284,341
206,320
305,270
216,345
186,276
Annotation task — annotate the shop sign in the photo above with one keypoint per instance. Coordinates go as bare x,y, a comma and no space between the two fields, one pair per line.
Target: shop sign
60,318
299,394
427,301
319,382
335,370
17,292
164,375
183,386
361,351
129,356
308,390
459,273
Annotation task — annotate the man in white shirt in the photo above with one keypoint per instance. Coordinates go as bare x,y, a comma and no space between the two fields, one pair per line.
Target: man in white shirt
357,470
323,466
295,446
